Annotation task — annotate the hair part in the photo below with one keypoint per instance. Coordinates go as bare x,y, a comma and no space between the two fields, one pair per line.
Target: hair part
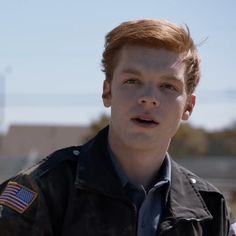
157,34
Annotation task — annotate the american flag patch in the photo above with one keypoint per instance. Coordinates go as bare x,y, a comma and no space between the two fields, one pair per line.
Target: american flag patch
17,197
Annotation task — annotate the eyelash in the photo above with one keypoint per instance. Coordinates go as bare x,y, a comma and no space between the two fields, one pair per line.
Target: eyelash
169,86
132,81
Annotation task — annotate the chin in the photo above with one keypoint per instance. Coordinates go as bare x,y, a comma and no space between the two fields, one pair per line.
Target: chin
140,141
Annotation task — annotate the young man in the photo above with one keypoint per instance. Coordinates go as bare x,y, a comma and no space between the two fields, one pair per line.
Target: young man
123,182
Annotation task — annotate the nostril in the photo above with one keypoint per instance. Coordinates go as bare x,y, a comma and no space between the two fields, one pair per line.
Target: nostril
147,100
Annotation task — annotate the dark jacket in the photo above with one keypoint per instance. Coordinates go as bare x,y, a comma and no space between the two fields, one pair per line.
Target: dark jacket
80,194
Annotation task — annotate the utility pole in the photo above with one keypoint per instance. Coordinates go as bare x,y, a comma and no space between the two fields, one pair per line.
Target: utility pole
2,105
2,100
7,70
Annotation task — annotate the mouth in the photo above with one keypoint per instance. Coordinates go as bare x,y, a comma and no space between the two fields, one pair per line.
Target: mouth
145,121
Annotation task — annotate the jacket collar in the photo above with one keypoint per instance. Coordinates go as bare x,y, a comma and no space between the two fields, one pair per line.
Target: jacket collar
185,201
95,172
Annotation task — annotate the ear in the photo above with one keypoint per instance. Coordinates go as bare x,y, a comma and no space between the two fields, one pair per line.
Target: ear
189,107
106,94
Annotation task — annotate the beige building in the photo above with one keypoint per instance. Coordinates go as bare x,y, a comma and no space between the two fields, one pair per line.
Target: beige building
40,140
22,146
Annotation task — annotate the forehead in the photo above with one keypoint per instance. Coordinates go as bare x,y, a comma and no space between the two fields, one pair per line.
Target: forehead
149,58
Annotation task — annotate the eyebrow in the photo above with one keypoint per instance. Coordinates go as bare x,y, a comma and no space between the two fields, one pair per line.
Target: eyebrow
167,77
131,71
171,78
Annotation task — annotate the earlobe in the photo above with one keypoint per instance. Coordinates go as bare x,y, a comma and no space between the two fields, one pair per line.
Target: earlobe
186,115
189,107
106,94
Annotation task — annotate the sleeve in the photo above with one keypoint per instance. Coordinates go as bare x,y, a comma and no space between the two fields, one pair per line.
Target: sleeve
23,209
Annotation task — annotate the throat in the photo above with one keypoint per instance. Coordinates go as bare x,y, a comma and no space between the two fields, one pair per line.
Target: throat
139,164
140,169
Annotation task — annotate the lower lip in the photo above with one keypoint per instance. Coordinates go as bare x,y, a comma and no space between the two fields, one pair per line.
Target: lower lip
145,125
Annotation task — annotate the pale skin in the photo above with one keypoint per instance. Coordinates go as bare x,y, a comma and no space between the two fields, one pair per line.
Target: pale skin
148,100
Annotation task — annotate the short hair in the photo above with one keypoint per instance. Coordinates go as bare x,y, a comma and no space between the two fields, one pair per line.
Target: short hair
157,34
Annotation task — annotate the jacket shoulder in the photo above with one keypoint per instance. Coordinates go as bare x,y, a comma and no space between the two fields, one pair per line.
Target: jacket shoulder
58,167
58,161
44,189
62,156
199,183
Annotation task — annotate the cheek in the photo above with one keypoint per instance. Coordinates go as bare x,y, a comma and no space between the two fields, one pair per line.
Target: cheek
122,98
176,104
175,111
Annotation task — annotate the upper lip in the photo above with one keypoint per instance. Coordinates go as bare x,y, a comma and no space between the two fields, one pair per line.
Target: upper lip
146,117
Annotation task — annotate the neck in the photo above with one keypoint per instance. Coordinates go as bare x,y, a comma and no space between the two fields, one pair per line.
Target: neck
140,165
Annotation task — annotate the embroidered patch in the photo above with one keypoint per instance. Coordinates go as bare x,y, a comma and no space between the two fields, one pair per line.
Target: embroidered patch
233,229
17,197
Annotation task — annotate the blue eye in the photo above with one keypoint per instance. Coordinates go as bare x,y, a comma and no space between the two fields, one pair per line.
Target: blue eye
169,87
132,81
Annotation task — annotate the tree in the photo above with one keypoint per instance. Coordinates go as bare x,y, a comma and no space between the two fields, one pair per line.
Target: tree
97,125
189,141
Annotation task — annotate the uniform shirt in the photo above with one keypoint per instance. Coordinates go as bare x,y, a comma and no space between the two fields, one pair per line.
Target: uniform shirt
149,202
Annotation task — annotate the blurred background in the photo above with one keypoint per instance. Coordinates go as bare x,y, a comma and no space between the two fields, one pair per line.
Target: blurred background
51,80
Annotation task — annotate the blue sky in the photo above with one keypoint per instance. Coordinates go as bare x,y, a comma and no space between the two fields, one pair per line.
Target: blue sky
50,54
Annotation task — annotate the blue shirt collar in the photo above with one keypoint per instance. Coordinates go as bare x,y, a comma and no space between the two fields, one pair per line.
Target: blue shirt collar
164,175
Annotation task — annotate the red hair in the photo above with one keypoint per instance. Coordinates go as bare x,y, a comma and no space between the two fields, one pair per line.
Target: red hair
153,33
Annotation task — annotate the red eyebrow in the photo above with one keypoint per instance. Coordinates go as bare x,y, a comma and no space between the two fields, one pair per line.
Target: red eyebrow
171,78
131,71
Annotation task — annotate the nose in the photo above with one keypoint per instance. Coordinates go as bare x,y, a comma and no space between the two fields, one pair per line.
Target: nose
149,99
